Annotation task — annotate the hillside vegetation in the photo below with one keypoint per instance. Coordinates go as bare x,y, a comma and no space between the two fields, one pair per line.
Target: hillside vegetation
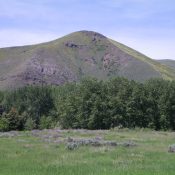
169,63
90,104
73,57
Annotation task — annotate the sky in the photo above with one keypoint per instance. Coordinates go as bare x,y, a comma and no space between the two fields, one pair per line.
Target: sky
145,25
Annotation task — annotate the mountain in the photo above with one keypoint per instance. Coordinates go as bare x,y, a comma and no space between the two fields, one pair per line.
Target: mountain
79,54
167,62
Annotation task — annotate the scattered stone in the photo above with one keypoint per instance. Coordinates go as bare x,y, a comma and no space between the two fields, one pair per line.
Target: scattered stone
55,136
98,138
35,133
69,139
73,143
86,142
111,143
9,134
92,142
172,148
58,130
129,144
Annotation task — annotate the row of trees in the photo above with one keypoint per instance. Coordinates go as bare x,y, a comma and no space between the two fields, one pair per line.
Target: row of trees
91,104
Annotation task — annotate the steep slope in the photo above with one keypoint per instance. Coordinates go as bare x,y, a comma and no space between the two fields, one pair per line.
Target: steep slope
165,71
167,62
72,57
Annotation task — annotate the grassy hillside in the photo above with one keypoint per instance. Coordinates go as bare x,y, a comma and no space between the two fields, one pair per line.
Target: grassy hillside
169,63
167,72
72,57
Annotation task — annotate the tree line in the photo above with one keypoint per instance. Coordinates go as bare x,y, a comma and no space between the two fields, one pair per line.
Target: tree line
90,104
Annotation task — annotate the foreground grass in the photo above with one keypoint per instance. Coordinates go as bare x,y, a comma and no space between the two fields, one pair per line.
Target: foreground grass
45,154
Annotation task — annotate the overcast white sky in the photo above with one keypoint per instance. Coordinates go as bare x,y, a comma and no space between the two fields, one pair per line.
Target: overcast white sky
147,26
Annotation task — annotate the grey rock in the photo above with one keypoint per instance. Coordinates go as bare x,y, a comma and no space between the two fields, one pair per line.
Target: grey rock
171,148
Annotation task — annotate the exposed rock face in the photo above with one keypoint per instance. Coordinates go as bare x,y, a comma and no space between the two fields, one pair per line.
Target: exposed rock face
71,44
40,71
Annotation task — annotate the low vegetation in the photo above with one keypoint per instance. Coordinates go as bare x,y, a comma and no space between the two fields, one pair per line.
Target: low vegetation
77,152
90,104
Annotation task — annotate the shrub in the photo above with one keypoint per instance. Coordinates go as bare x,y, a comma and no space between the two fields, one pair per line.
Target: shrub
46,122
4,125
72,146
13,119
30,124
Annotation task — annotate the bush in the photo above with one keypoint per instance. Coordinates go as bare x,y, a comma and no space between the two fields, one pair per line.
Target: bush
46,123
30,124
4,125
13,119
72,146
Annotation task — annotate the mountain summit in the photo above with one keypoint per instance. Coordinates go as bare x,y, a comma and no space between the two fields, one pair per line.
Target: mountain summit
79,54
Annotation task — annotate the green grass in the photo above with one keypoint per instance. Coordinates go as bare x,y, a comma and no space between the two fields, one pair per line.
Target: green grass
169,63
29,155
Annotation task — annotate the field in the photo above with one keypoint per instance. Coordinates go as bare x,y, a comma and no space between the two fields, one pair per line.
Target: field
121,152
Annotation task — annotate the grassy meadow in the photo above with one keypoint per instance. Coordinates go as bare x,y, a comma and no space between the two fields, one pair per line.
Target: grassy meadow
45,153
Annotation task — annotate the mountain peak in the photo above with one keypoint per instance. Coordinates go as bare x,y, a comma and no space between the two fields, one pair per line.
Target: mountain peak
70,58
92,33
